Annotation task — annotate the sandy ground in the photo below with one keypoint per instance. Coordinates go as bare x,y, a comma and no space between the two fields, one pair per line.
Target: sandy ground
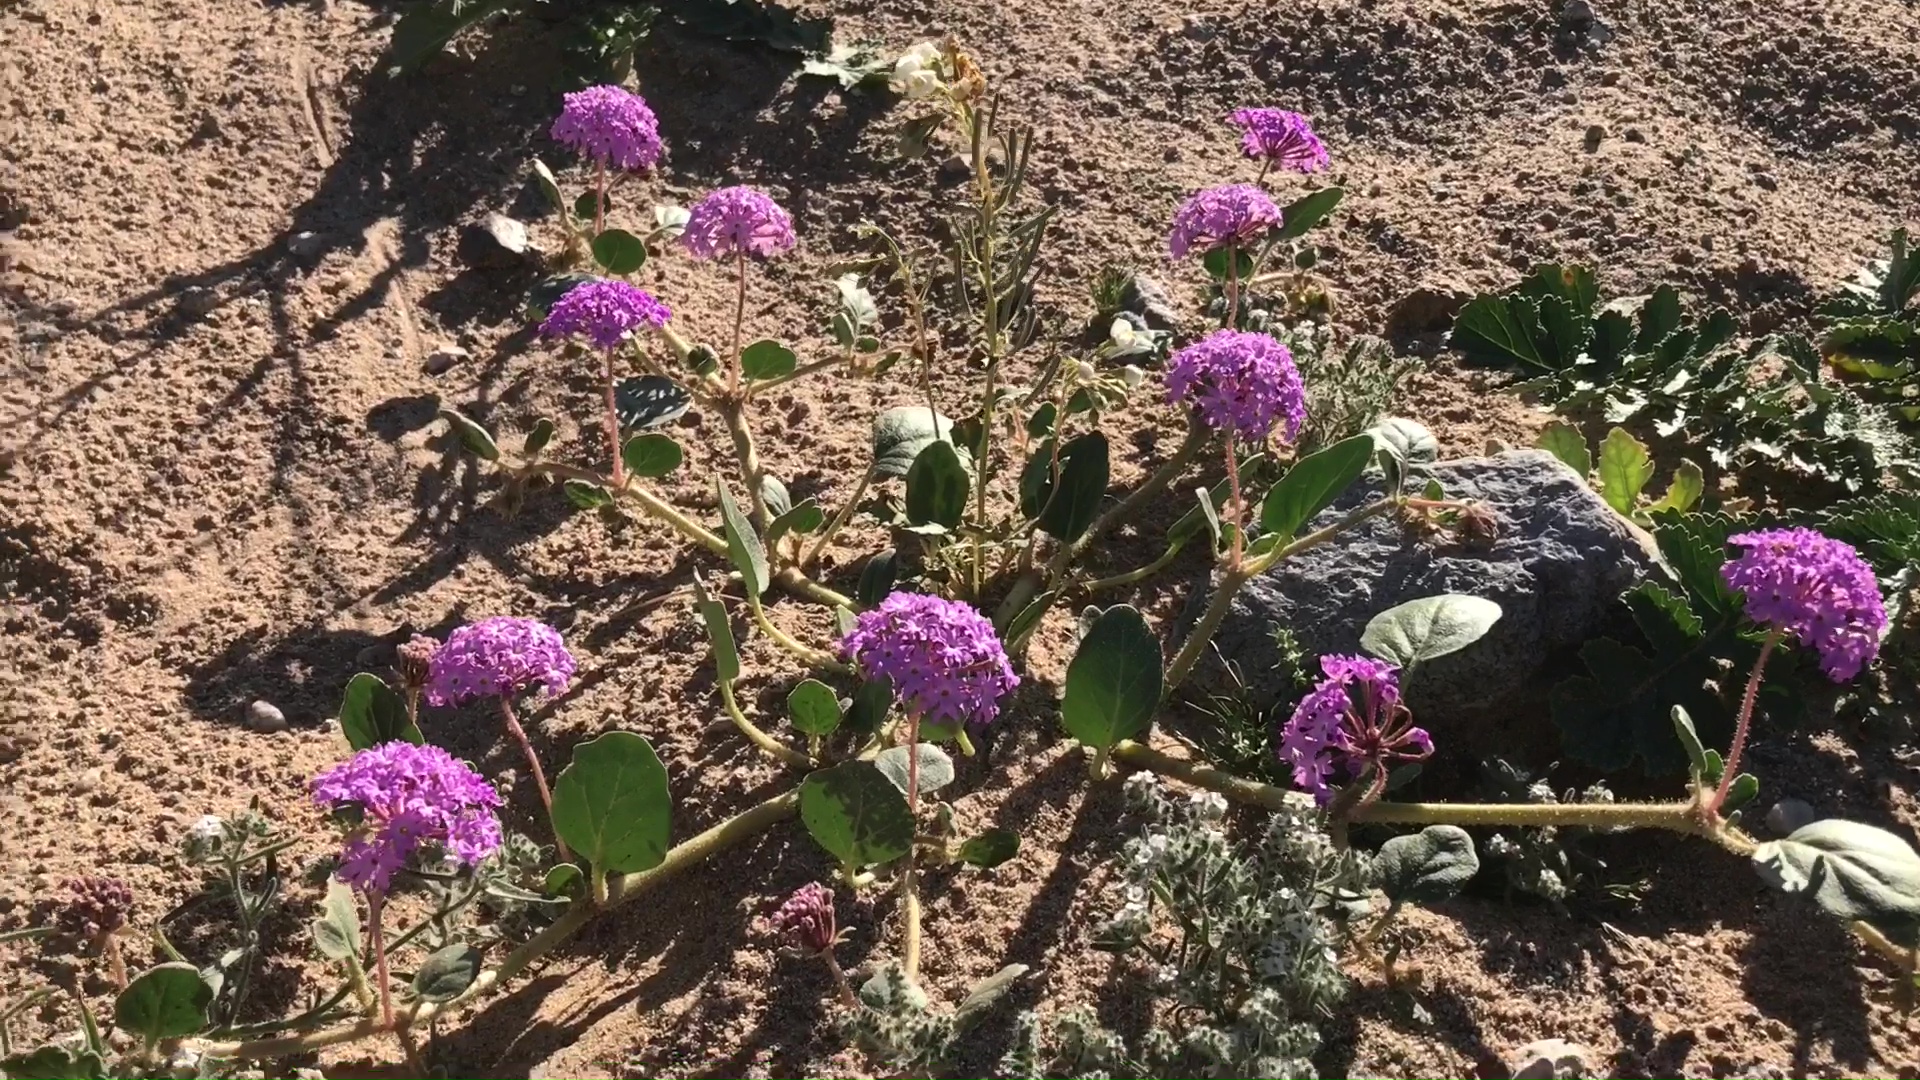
221,479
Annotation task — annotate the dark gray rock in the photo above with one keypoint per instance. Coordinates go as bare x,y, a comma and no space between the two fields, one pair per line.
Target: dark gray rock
1149,299
1560,560
496,243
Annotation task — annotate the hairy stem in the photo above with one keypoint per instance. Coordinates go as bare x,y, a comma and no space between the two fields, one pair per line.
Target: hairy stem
910,893
739,322
775,748
1233,287
1744,724
1134,577
375,902
807,653
840,983
839,522
611,422
735,415
539,775
620,889
599,197
1236,505
800,372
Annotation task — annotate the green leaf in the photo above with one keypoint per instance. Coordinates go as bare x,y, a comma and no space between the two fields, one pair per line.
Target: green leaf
877,578
990,848
1690,742
849,65
901,433
743,544
165,1002
774,493
563,879
936,768
550,186
1215,262
856,813
1659,317
1854,872
1307,211
726,656
336,933
767,359
1565,442
1428,628
1498,331
619,252
937,487
802,519
548,290
447,973
1040,424
650,455
1625,468
981,996
1689,483
1072,504
585,206
611,805
1426,867
1115,680
372,713
471,434
814,708
856,303
1744,789
1313,484
538,438
756,22
54,1062
872,701
426,26
586,496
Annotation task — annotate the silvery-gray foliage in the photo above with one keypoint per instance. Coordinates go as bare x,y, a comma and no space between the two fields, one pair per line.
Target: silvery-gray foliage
1246,993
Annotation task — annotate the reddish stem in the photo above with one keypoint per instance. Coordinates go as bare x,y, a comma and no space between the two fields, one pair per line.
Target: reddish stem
739,320
539,774
1233,287
600,197
375,901
612,423
1236,512
1745,722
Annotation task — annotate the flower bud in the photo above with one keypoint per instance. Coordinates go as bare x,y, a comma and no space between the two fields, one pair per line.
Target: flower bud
414,659
1133,376
805,921
1122,334
1086,372
95,906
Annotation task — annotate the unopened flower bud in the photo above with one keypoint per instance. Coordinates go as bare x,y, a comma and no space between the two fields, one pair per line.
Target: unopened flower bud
414,660
1086,372
95,906
1122,334
805,920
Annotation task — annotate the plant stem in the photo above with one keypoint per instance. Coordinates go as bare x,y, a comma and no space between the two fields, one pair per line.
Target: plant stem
612,424
1233,287
840,982
797,373
734,412
539,775
620,889
375,902
774,747
600,197
839,521
1237,507
806,653
739,321
910,894
1744,724
1133,577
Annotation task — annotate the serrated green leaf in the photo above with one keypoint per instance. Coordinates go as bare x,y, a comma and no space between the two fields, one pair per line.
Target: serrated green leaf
1313,484
1659,316
424,28
1689,483
1499,331
1115,680
1625,468
371,713
611,804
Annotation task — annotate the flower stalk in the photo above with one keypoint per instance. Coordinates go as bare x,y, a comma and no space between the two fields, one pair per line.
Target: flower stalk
539,775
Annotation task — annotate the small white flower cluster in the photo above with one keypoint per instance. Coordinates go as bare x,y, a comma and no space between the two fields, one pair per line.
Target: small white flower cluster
204,836
916,75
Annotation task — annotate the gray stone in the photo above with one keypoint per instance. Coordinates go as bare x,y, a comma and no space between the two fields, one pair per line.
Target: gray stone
1559,561
198,301
1789,816
1149,299
445,357
497,243
1577,15
265,717
1552,1059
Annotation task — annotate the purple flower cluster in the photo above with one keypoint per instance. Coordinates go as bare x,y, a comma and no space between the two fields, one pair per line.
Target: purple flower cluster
94,906
805,920
498,657
737,221
1228,216
408,796
1283,138
605,312
945,661
1352,717
610,125
1240,381
1815,588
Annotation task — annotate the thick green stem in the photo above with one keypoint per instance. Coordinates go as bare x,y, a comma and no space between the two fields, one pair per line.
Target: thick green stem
757,737
839,522
1134,577
910,893
620,889
1677,816
735,415
798,373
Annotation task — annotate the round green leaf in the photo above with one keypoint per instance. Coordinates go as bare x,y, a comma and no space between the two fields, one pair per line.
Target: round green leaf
814,708
855,813
936,768
538,438
767,359
447,973
1426,867
586,496
165,1002
650,455
1312,485
1070,506
611,804
899,434
1215,262
588,205
1854,872
990,848
54,1062
619,251
563,880
1115,680
372,713
1428,628
937,487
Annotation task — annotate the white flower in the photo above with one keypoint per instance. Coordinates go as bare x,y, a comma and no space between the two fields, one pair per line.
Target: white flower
209,827
1132,376
920,85
1122,334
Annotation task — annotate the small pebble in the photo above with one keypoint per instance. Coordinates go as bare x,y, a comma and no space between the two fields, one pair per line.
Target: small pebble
305,245
445,357
1594,137
199,301
264,717
1789,816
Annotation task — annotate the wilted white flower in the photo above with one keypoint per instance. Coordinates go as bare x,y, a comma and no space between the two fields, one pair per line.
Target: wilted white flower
1122,334
1132,376
920,85
917,73
209,827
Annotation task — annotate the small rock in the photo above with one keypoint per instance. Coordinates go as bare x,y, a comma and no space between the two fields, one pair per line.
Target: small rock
10,750
955,169
306,245
1148,299
1577,15
1428,308
445,357
1594,137
1766,181
1789,816
264,717
1634,135
497,243
199,301
1552,1059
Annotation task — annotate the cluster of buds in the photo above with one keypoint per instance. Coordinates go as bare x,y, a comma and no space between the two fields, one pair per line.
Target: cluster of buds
95,906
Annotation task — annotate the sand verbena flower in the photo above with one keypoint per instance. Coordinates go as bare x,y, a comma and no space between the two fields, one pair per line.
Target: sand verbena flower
737,221
1283,139
408,796
1816,589
1240,382
946,663
94,906
1353,719
498,657
1233,215
605,312
805,921
611,126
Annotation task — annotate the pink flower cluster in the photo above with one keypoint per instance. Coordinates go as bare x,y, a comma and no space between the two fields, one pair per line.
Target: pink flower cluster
946,663
498,657
604,312
1283,138
1815,588
1241,382
611,126
408,796
737,221
1233,215
1352,718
